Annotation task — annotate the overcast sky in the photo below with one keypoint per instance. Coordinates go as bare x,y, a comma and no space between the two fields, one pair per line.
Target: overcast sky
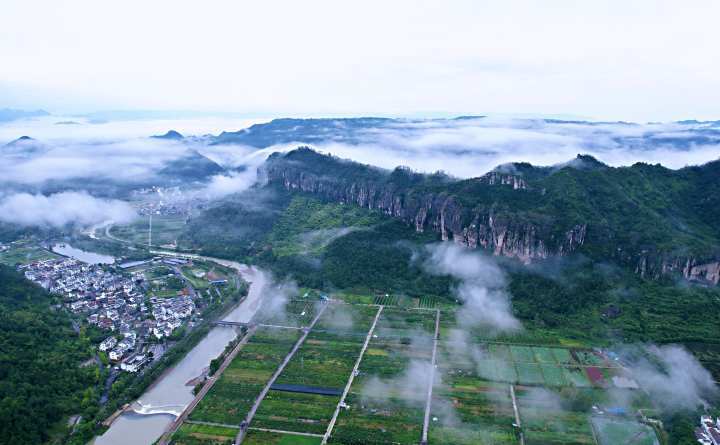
633,60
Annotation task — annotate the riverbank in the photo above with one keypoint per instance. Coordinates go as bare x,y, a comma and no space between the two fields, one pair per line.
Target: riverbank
168,393
160,370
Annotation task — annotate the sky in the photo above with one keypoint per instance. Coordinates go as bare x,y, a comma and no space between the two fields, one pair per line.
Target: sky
630,60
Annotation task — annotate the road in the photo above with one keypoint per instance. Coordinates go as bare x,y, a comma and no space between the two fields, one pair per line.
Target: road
517,414
341,403
431,382
248,419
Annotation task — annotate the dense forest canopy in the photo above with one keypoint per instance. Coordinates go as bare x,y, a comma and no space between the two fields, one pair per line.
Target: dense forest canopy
41,381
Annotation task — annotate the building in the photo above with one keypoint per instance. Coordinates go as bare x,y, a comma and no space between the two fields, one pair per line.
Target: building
709,432
133,363
107,344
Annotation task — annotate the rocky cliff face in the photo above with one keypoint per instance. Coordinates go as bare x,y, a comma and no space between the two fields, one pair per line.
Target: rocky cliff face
691,268
525,212
442,213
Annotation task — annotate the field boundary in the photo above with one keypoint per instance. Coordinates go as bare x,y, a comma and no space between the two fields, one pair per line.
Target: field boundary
248,419
341,403
431,381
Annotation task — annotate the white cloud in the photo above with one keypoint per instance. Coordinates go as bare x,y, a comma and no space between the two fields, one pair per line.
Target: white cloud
642,61
61,209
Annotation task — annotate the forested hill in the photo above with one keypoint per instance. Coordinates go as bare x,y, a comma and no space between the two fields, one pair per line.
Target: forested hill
41,382
649,218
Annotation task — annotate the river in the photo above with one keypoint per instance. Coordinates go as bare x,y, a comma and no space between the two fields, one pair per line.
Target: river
82,255
169,395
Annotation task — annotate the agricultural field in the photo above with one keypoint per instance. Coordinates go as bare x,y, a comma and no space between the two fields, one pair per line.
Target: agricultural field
232,396
255,437
22,253
323,364
612,431
199,434
166,229
386,401
556,388
298,312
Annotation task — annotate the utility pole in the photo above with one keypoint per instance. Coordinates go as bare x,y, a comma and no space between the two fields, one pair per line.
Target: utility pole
150,232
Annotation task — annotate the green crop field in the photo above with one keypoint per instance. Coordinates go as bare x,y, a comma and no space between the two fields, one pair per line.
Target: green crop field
233,395
616,431
196,434
255,437
471,402
20,253
166,229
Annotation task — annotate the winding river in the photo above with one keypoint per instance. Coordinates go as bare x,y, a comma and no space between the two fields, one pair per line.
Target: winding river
170,394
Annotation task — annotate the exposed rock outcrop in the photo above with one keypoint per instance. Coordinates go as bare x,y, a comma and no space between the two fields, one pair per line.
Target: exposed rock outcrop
486,228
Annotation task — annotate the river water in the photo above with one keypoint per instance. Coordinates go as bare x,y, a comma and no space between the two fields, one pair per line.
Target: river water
168,396
82,255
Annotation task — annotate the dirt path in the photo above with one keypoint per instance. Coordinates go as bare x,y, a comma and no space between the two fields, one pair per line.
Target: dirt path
341,403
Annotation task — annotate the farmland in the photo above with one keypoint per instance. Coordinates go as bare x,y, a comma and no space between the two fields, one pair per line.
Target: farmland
555,388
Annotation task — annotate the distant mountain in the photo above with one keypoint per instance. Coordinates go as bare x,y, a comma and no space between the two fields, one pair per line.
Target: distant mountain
22,140
308,131
8,114
171,134
24,146
651,219
191,167
596,136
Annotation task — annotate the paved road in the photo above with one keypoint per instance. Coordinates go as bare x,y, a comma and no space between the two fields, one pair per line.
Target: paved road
431,382
243,427
341,403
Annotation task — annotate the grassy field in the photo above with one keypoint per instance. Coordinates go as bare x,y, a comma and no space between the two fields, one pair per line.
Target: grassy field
23,253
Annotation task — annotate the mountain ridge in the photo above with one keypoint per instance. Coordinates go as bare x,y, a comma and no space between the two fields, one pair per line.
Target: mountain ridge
621,214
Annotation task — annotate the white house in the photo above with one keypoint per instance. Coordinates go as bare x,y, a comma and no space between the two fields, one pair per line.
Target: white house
108,343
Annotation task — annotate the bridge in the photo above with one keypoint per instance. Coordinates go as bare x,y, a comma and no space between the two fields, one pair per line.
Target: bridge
232,323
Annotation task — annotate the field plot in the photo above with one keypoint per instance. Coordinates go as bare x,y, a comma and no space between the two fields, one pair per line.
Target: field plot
255,437
25,253
166,229
546,421
612,431
298,312
380,409
467,410
322,365
197,434
232,396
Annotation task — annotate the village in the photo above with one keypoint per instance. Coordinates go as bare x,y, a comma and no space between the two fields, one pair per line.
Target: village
708,433
121,303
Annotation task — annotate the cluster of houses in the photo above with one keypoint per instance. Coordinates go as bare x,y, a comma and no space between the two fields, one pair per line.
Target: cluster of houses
111,301
709,432
169,313
115,303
